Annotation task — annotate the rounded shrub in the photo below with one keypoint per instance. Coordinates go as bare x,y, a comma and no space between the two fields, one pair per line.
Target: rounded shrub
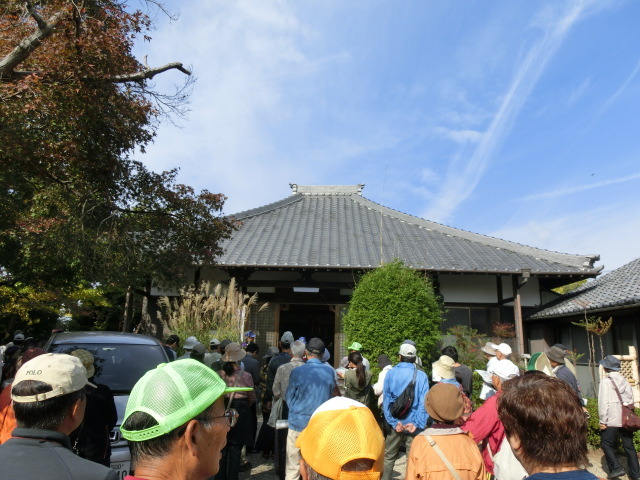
391,304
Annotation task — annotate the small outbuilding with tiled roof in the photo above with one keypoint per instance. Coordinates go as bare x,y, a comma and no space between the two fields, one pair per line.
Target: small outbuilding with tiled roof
617,292
303,254
615,295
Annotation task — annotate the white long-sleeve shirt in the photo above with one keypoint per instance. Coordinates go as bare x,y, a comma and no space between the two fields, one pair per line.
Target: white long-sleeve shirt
609,408
379,385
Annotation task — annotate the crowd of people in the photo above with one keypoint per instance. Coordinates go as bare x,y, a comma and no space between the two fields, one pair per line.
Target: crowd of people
195,417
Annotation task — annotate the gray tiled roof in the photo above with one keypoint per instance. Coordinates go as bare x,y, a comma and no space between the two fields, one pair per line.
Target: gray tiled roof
335,227
617,288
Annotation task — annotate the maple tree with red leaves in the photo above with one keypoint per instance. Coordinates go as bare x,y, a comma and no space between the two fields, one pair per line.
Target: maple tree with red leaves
75,103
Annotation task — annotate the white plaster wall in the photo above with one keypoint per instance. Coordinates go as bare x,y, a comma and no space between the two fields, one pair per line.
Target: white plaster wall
483,289
468,288
529,293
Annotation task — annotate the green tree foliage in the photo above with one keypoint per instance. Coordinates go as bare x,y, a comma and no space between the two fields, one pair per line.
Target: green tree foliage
391,304
75,103
96,309
469,344
569,287
37,311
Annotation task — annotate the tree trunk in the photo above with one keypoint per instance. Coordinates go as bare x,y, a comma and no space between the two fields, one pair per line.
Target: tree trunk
128,310
149,323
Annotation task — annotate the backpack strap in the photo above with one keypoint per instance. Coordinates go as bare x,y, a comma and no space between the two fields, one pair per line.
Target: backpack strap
443,457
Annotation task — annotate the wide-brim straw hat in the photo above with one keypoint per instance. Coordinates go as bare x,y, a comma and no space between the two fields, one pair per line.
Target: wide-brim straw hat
489,348
233,353
443,368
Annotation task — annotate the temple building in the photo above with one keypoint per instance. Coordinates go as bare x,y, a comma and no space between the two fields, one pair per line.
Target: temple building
304,254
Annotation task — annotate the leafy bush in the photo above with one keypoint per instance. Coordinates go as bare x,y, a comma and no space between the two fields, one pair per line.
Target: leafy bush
593,429
391,304
469,343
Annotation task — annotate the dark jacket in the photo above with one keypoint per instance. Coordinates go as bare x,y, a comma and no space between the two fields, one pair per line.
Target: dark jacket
91,439
32,454
252,366
276,361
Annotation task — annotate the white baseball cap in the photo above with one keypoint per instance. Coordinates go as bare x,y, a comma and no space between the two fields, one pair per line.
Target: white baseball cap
64,373
407,350
504,348
505,369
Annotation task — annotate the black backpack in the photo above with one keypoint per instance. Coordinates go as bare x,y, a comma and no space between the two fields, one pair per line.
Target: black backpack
401,406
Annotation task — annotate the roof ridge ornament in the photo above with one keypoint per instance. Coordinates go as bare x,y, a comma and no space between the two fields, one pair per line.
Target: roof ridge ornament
326,189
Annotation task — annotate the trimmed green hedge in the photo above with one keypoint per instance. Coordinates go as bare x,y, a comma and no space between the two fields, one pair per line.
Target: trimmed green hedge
389,305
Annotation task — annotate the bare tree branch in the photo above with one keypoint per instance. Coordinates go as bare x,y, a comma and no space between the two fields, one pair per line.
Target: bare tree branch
147,73
29,44
34,13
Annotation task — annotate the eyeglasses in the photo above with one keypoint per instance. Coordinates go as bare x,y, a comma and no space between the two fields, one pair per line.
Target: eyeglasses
231,414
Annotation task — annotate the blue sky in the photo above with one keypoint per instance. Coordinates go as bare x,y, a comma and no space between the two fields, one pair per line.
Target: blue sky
514,119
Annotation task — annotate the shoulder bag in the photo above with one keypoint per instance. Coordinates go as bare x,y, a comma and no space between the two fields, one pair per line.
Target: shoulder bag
401,406
630,420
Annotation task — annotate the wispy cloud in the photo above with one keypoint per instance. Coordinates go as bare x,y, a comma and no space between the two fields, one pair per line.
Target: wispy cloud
465,174
579,92
244,55
614,239
613,98
460,136
580,188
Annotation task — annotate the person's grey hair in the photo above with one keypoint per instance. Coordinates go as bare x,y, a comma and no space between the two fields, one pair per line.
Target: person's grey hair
357,465
297,349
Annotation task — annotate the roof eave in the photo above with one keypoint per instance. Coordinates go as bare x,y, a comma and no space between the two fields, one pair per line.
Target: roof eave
555,273
609,308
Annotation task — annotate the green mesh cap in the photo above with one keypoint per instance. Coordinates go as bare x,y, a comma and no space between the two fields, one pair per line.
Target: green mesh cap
173,394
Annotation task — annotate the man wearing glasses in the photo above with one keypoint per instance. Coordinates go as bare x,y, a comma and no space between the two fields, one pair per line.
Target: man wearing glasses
176,422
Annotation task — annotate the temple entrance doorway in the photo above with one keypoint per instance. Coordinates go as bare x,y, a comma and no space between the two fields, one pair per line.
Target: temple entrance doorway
309,321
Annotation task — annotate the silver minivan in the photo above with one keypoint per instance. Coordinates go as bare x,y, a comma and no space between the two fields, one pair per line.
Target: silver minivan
120,360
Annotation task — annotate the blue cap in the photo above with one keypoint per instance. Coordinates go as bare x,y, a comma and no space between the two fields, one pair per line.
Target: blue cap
610,363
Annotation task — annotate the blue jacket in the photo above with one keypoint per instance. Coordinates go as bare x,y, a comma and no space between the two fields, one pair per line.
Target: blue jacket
310,385
394,384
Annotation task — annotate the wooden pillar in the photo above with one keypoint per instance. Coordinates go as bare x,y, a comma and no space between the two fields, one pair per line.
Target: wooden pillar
517,307
517,313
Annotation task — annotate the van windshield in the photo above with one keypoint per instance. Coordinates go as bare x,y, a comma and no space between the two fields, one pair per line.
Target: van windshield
119,366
